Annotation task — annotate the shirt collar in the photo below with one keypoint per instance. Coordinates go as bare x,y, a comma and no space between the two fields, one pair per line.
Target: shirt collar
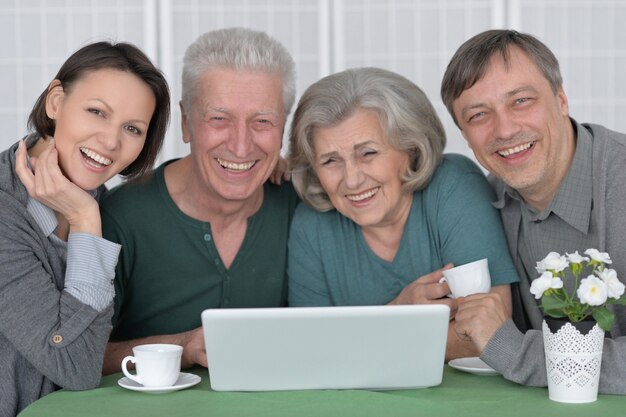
44,216
573,200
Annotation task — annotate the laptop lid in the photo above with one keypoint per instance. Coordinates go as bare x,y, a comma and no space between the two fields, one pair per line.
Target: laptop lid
368,347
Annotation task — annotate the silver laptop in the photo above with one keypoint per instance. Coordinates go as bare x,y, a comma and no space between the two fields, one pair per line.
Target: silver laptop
370,347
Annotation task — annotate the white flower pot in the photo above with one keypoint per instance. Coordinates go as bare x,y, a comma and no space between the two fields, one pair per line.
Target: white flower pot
573,363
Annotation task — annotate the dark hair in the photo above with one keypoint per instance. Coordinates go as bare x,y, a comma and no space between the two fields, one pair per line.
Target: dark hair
118,56
469,63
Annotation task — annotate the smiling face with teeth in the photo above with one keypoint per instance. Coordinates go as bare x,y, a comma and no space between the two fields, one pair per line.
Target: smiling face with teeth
235,129
361,173
100,124
518,128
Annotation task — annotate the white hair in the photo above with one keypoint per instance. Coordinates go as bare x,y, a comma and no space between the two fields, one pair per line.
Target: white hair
240,49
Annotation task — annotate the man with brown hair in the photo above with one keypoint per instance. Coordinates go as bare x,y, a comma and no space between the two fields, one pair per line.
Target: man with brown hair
559,186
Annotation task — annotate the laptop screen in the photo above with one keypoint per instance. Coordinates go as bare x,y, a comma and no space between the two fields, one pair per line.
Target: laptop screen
367,347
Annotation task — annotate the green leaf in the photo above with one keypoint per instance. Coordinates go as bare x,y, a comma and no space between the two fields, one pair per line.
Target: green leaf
549,302
621,300
557,314
604,317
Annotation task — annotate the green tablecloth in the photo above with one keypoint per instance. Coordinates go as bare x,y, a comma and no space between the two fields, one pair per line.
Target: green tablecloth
460,394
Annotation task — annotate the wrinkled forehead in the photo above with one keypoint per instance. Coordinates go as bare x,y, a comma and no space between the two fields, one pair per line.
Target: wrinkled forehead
240,91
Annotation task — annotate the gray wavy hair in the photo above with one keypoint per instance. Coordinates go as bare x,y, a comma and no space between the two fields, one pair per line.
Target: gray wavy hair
241,49
406,116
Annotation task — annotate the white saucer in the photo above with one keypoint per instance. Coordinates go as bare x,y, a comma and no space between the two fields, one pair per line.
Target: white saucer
184,381
472,365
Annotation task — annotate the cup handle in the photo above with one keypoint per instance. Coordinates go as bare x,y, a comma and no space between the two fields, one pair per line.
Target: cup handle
128,374
441,281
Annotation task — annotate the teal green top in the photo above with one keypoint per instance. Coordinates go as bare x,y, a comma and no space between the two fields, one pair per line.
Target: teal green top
169,268
451,220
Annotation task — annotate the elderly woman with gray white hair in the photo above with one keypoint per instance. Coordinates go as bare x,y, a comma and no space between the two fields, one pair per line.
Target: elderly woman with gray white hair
386,211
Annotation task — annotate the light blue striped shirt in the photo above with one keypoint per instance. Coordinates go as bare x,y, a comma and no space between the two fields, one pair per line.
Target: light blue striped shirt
90,260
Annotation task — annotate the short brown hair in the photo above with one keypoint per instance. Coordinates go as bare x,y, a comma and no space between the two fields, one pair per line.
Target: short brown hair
118,56
469,63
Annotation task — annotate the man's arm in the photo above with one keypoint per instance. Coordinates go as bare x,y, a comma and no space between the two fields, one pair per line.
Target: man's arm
479,316
465,336
458,345
519,357
192,342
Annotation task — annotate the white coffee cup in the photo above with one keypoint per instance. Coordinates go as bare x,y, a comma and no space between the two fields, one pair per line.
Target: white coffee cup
468,279
158,365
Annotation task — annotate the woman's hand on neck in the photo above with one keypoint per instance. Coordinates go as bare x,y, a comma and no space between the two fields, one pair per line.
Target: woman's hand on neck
75,209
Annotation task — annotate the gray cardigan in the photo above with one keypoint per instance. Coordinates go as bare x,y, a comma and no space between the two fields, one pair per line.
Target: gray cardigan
48,339
519,357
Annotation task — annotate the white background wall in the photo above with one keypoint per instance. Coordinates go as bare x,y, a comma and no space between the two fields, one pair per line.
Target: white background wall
415,38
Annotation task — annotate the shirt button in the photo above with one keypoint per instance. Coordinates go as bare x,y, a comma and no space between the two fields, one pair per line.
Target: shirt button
207,237
226,301
57,338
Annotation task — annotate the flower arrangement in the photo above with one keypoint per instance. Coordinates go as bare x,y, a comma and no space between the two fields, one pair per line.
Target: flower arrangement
590,295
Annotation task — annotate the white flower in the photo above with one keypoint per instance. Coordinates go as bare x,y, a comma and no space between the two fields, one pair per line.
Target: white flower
545,282
576,258
592,291
596,255
552,262
614,287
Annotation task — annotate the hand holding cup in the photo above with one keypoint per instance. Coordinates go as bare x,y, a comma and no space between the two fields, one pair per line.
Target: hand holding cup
468,279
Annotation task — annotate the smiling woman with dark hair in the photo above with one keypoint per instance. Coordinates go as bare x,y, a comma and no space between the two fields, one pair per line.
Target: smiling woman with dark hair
105,113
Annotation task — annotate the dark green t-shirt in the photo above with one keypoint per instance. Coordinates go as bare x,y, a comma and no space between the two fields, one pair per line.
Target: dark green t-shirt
169,268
